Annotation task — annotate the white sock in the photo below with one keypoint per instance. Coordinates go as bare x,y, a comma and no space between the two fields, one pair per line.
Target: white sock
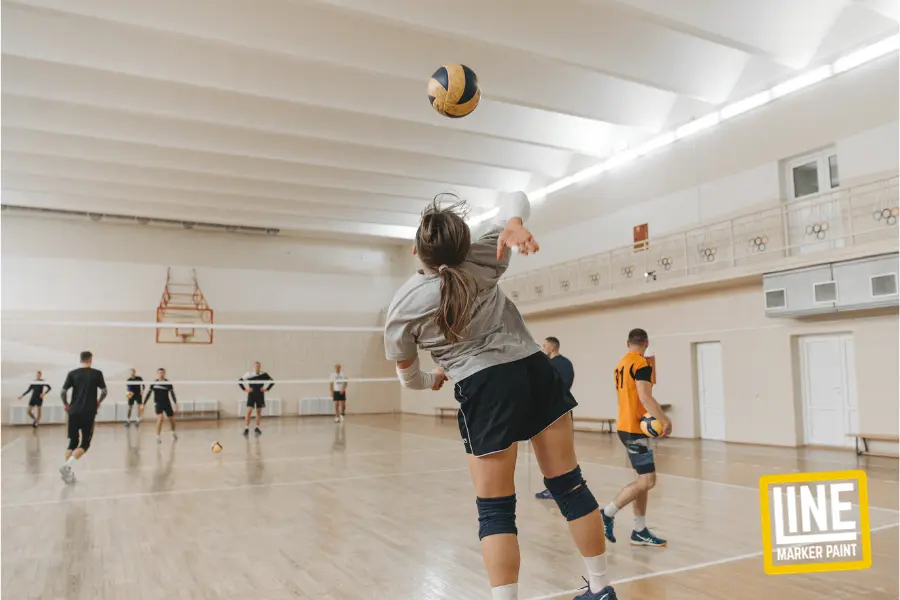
640,523
505,592
611,509
71,460
596,568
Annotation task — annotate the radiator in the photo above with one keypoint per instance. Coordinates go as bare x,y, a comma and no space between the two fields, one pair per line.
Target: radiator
271,409
52,413
322,405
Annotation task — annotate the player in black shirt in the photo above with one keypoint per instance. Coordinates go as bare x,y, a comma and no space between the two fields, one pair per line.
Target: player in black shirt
84,383
161,390
135,391
37,390
256,395
566,372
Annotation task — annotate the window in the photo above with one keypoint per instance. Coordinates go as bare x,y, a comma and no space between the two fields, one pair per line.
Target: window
812,174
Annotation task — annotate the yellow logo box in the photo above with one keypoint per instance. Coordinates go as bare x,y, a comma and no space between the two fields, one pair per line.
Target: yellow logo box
815,522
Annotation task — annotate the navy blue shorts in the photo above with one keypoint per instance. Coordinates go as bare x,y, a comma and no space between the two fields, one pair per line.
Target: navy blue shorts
639,451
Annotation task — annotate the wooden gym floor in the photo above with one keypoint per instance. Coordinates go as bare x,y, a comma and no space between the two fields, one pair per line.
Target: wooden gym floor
381,507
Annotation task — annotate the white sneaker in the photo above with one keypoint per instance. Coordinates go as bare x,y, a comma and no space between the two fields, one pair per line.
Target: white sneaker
67,474
342,418
337,419
159,439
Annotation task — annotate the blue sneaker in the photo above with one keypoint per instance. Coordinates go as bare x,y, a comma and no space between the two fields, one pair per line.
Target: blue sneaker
607,593
545,495
645,538
608,523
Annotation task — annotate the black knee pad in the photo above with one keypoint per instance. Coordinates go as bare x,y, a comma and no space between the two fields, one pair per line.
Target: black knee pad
572,495
496,516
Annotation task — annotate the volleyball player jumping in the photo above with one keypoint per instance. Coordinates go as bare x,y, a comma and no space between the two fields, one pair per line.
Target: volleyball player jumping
506,387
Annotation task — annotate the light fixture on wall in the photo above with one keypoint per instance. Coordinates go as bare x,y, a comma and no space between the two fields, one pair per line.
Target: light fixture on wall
650,276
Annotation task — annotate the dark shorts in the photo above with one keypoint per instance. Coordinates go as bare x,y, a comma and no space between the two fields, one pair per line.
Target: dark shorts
256,401
36,402
164,407
510,403
340,396
639,452
80,430
135,399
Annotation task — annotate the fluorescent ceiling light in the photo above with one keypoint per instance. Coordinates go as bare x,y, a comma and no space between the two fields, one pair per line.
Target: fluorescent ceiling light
486,215
742,106
805,80
868,53
697,125
660,141
624,155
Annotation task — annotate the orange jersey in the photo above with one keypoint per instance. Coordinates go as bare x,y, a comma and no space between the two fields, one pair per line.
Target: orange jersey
632,368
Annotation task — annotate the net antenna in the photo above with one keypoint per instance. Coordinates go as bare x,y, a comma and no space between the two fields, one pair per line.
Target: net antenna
183,311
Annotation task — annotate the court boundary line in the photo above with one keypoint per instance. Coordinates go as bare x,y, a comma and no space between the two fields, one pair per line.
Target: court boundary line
720,483
235,488
55,472
12,443
684,569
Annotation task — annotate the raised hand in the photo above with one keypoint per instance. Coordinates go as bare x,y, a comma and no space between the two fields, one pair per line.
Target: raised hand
517,238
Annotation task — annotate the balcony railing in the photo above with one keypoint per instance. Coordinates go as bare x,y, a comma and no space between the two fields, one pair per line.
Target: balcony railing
852,216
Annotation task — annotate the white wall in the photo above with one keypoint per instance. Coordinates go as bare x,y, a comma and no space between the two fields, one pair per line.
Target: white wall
729,169
69,270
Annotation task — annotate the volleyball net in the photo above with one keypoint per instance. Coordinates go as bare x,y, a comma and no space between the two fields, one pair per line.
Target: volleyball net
301,360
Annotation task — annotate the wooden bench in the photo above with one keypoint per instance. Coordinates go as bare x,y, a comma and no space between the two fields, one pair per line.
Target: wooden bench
440,410
607,421
874,437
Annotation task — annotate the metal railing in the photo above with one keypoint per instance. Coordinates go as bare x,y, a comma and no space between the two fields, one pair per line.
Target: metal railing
851,216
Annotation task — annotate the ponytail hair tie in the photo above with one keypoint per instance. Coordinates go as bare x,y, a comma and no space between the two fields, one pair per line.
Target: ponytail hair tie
441,268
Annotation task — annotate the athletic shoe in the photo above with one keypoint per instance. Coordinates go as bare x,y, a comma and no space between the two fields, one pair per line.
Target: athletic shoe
342,418
67,474
607,593
159,439
137,424
257,431
34,424
127,424
545,495
246,432
645,538
337,419
608,523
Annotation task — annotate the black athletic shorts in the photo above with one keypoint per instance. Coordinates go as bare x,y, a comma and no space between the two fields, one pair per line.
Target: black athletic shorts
340,396
256,401
164,407
639,451
36,401
135,398
510,403
80,430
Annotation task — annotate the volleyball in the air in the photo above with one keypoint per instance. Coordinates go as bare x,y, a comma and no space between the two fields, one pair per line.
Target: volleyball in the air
453,91
216,447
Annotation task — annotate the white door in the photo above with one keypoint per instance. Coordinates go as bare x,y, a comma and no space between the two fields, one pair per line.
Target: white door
711,391
830,410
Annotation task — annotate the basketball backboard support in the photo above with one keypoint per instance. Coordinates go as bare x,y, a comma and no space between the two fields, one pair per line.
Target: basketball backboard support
183,311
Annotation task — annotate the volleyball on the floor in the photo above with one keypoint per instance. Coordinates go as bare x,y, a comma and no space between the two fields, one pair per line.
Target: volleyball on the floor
216,447
453,91
651,426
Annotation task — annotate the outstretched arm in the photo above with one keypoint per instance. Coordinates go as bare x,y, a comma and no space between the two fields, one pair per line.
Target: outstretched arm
506,230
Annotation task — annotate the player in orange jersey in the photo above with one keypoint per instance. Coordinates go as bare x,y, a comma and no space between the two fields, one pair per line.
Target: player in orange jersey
633,376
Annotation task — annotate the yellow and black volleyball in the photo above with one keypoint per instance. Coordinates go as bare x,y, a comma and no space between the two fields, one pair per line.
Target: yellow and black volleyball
453,91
